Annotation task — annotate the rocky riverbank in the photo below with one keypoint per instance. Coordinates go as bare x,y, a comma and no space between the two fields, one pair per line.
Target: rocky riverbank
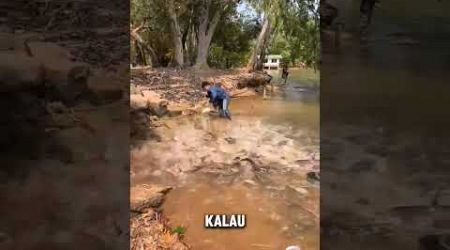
268,152
64,124
149,229
156,93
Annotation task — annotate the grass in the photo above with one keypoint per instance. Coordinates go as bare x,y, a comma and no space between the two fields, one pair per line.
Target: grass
180,230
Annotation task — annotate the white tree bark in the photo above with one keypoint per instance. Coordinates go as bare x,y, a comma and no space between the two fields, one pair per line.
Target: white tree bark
176,34
205,32
261,44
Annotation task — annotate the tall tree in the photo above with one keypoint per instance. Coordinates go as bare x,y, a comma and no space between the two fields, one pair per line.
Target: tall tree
272,10
231,44
176,34
150,28
301,27
296,20
210,12
258,54
142,49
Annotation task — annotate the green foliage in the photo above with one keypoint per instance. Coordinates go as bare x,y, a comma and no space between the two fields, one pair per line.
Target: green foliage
296,35
231,45
297,39
156,27
180,230
296,23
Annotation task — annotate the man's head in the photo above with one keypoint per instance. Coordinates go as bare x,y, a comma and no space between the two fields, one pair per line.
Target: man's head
206,85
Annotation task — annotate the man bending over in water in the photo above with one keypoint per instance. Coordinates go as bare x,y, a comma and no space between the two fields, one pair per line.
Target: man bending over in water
218,97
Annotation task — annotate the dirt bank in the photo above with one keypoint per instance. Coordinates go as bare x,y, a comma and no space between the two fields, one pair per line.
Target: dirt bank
155,93
64,103
149,229
158,94
258,164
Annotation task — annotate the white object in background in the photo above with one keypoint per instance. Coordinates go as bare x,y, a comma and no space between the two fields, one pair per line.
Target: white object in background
293,248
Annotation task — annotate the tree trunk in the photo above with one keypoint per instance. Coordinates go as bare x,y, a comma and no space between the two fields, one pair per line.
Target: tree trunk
202,52
191,46
141,56
205,32
144,53
260,47
176,35
262,56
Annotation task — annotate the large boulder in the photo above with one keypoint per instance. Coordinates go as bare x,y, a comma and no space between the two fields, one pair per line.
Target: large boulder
71,83
138,102
145,197
49,52
143,99
71,145
18,72
104,89
67,78
150,102
176,109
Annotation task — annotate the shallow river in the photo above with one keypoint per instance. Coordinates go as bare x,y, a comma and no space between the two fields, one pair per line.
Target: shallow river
255,164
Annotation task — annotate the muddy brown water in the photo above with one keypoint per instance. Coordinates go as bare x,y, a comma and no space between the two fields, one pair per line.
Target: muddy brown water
384,130
255,164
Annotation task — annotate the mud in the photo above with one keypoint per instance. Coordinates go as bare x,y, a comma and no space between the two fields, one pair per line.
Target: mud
64,126
256,164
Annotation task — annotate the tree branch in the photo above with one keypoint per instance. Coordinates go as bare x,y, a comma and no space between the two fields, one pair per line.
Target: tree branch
214,22
204,16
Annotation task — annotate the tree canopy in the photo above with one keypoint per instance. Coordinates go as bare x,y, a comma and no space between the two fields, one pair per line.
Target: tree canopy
223,33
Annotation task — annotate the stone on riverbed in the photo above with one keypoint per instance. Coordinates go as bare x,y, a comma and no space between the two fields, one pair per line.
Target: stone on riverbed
144,197
67,78
313,177
103,89
299,190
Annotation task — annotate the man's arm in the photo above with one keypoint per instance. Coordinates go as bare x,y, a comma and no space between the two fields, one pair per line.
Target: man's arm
212,94
208,95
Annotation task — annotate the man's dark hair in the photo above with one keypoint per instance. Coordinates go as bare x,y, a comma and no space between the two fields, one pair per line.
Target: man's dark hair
205,83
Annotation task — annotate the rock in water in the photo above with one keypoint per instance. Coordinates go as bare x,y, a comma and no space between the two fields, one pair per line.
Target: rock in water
47,51
70,90
230,140
206,110
313,177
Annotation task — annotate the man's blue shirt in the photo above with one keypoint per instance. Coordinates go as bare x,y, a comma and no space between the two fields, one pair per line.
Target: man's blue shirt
217,94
